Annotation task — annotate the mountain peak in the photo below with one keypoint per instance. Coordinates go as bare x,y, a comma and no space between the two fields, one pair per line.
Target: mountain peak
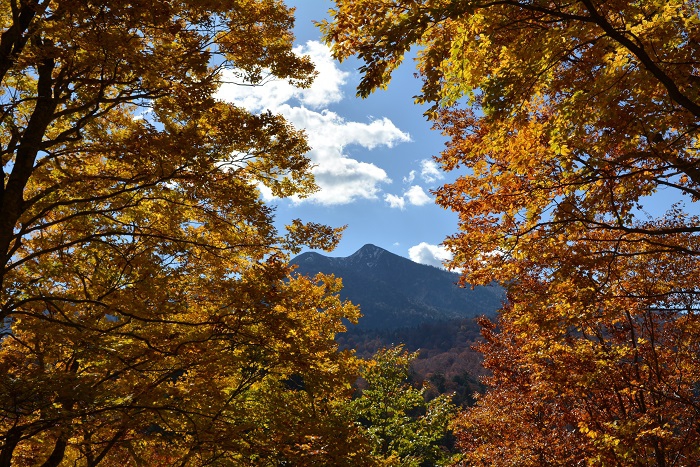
368,252
371,256
370,248
391,289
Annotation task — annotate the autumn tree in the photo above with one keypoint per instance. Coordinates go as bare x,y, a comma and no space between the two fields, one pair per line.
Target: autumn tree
573,137
402,427
147,313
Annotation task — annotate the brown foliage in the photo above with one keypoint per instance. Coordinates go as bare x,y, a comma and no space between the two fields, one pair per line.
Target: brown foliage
567,121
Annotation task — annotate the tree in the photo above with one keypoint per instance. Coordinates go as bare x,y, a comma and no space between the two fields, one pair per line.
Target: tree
403,429
148,316
569,123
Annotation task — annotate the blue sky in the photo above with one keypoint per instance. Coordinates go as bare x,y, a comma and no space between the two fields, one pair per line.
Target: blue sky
373,156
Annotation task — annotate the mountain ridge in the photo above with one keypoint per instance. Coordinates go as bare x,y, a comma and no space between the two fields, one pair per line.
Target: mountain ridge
393,291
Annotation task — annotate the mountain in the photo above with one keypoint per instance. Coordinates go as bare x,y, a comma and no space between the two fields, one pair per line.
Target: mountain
394,292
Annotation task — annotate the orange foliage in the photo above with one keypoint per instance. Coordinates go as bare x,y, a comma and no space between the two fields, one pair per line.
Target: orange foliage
567,122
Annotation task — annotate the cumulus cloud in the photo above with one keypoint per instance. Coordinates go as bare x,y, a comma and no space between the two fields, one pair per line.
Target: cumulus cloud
433,255
328,129
411,176
417,196
394,201
414,195
429,171
265,192
326,89
341,179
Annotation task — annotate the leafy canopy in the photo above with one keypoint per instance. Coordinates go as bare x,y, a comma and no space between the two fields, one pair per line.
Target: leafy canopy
569,124
147,313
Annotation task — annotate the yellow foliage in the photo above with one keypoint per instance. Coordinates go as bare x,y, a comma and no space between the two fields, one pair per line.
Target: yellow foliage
148,316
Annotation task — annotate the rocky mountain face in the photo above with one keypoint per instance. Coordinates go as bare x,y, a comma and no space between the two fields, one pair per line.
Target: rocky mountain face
394,292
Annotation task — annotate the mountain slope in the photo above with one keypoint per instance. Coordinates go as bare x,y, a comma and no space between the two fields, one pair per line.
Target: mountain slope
394,292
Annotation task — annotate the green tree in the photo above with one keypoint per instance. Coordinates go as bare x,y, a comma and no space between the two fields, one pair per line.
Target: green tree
147,313
403,429
567,122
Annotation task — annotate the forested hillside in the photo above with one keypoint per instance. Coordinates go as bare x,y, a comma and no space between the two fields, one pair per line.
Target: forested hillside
420,307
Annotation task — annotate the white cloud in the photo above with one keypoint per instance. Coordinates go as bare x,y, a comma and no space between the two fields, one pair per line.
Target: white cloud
411,176
414,195
417,196
328,129
433,255
343,180
265,192
429,171
340,178
326,88
394,201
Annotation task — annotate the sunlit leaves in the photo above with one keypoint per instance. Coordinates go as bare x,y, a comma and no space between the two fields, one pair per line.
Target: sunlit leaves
570,125
148,313
402,428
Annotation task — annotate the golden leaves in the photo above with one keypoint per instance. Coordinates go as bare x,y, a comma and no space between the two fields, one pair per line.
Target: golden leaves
146,300
565,120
